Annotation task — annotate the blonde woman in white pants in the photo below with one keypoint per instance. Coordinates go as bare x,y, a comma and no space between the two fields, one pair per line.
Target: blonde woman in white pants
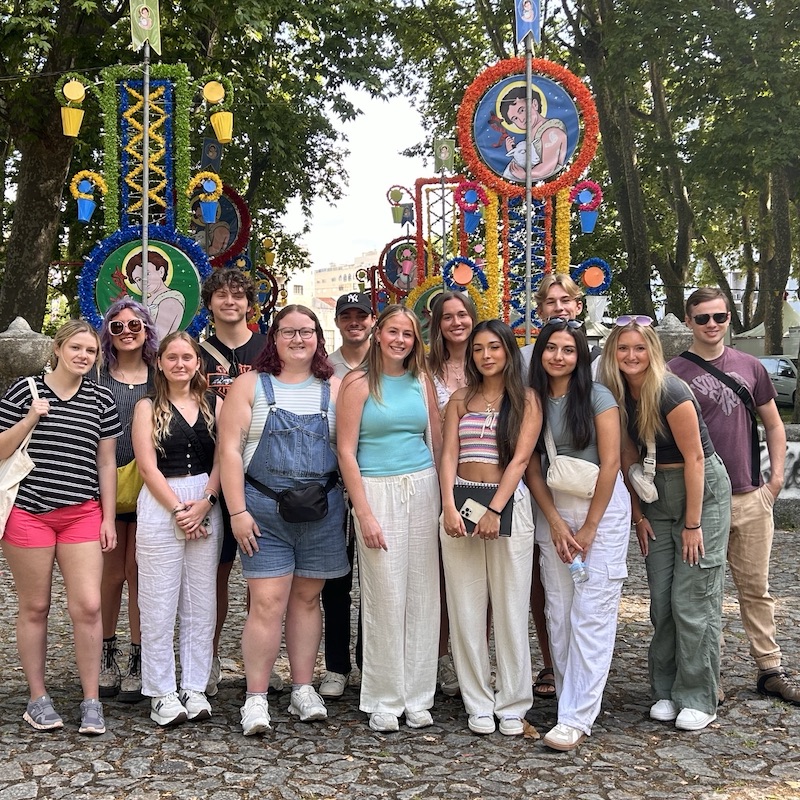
388,425
490,429
180,531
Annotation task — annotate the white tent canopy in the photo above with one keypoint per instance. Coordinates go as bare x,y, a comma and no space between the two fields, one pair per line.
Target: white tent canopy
791,319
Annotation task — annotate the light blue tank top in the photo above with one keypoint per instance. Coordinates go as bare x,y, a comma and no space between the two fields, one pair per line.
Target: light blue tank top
391,440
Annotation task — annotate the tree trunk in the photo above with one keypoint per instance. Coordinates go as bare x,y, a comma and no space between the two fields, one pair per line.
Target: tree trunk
777,273
36,224
619,147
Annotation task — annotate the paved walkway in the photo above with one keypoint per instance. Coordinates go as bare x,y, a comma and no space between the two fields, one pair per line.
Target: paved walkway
752,751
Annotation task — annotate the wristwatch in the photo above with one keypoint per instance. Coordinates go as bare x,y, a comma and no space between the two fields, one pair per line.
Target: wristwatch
212,498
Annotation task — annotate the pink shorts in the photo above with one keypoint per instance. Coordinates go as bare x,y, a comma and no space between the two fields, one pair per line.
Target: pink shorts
69,525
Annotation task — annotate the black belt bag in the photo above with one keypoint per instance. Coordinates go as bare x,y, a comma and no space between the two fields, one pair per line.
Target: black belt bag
308,503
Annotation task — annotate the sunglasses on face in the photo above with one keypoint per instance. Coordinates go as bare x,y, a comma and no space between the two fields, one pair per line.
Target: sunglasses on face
703,319
117,327
639,319
565,323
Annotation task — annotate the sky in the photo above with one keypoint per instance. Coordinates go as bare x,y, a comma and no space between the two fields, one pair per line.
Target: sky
362,219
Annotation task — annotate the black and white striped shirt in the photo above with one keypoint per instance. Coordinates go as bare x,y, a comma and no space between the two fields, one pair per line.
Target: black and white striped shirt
64,443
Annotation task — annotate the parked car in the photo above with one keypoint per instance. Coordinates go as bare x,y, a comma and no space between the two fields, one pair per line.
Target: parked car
783,374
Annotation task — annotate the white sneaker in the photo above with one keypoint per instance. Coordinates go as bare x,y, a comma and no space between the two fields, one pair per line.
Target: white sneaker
419,719
481,723
212,687
563,737
307,704
511,726
333,684
447,678
383,723
196,705
255,715
167,710
690,719
663,711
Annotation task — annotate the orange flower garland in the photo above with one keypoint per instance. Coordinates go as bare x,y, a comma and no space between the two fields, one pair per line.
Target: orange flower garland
514,66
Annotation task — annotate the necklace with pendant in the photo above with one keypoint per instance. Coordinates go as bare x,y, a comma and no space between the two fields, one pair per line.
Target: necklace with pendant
125,380
491,412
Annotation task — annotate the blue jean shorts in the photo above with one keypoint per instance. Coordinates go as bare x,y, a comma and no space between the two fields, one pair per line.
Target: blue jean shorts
306,549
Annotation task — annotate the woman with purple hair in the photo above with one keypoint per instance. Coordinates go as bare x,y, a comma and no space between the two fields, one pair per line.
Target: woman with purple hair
129,343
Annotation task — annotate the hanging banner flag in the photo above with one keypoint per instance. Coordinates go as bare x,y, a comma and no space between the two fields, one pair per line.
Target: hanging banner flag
444,153
527,20
145,24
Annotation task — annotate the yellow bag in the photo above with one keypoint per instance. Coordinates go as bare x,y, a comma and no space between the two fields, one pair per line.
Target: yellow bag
129,484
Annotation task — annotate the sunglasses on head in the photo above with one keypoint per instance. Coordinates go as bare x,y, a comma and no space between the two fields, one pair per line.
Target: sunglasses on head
117,327
629,319
703,319
563,321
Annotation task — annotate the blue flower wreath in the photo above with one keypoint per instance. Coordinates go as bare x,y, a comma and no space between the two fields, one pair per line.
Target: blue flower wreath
155,233
477,272
593,262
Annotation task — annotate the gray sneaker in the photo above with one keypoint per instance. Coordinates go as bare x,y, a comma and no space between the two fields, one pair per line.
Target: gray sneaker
92,722
110,676
41,715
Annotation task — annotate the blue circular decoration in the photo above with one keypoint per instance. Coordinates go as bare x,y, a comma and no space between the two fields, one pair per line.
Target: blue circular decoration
103,278
477,272
577,274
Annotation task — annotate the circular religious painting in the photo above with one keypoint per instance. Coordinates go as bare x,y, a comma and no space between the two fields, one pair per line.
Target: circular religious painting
498,134
398,264
175,269
225,237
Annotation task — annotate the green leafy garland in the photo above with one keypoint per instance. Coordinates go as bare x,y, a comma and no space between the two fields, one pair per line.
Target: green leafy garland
227,101
109,104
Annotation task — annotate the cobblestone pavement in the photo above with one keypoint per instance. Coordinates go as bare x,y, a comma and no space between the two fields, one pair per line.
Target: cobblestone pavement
751,752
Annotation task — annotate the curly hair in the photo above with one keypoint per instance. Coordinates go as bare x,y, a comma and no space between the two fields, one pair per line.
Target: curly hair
150,337
439,355
162,408
233,279
269,361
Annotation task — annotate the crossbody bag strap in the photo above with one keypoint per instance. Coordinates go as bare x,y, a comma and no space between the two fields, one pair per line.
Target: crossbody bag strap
749,403
212,351
206,457
34,396
649,461
549,444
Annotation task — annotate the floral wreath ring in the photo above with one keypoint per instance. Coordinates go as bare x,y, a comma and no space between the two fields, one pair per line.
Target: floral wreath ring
588,186
478,298
459,195
571,84
593,268
477,272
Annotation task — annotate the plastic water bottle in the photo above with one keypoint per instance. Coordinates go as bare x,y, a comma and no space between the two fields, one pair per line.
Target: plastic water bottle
578,570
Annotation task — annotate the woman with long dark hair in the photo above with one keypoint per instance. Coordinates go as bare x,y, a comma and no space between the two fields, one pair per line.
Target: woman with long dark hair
389,430
683,534
491,427
583,420
179,531
278,433
129,345
453,316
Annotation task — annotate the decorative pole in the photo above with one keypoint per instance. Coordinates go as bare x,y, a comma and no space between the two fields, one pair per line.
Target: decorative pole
145,167
528,182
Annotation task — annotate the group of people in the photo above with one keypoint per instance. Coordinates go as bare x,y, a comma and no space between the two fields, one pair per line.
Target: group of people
447,458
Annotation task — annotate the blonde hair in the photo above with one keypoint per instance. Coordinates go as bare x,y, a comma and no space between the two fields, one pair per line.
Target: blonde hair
414,361
72,328
162,407
550,280
649,421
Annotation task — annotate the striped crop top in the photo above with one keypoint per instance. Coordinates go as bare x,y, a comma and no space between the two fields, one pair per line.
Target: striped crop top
476,435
